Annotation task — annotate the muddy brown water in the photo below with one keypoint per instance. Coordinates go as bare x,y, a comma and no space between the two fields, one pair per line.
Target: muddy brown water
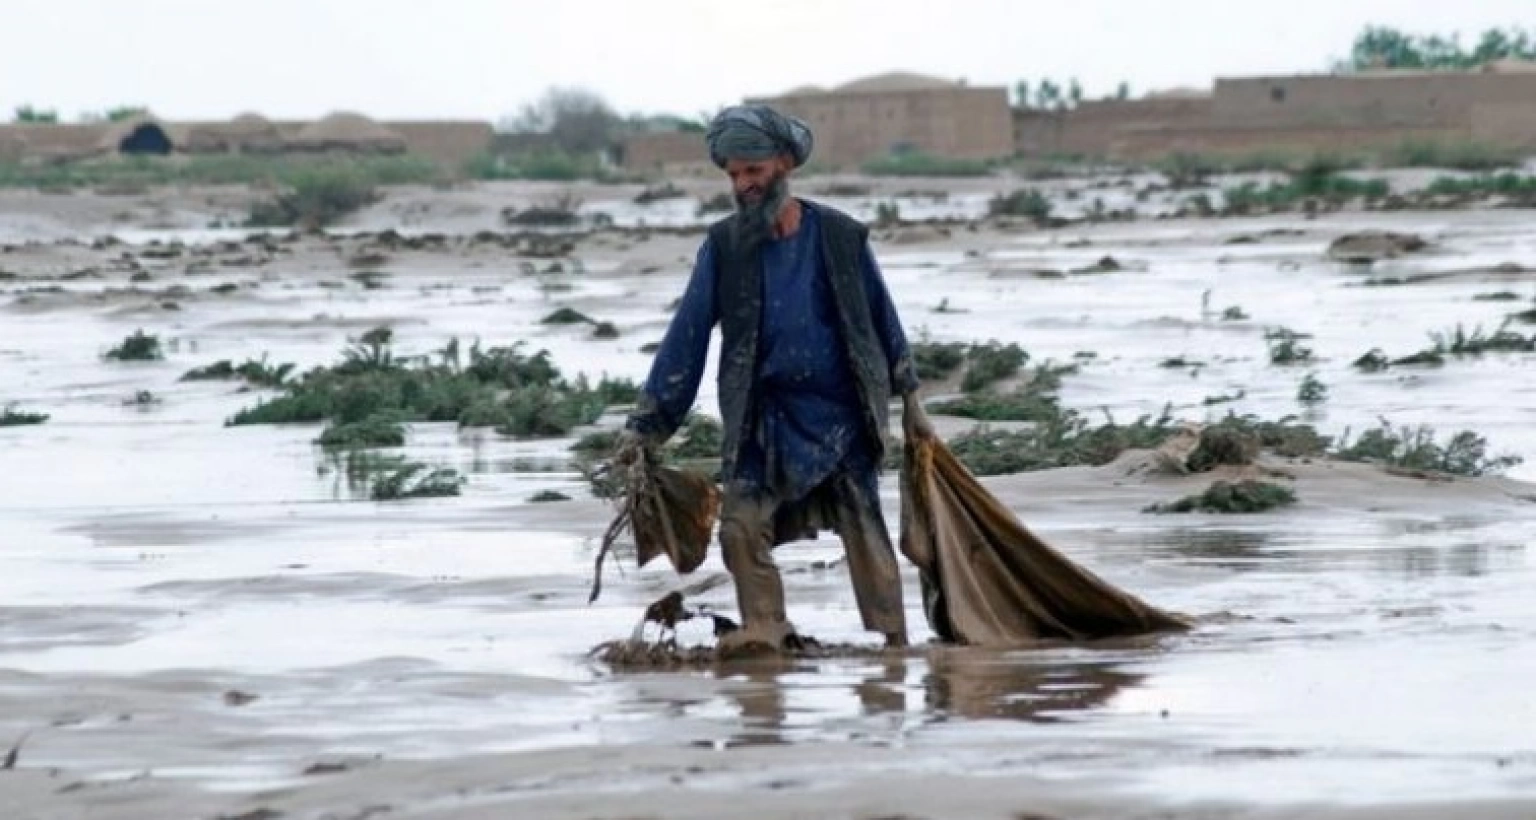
1369,649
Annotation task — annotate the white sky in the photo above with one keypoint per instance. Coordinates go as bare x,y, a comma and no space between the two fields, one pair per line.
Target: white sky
483,58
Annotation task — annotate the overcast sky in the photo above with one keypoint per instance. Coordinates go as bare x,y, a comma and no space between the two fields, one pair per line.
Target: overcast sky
481,58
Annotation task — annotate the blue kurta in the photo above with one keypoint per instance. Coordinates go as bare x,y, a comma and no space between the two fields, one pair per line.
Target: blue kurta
807,421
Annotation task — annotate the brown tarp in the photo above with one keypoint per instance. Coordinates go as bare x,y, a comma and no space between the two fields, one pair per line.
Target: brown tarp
987,580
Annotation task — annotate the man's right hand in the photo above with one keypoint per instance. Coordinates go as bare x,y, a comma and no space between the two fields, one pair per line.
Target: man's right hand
631,448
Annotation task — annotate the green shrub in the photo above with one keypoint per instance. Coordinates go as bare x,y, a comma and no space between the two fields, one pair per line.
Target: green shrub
379,430
923,165
138,347
11,417
1026,202
936,360
1231,497
990,363
1416,449
317,198
701,437
1312,390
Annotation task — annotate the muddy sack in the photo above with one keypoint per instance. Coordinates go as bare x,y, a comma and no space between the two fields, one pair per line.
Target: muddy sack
670,511
986,579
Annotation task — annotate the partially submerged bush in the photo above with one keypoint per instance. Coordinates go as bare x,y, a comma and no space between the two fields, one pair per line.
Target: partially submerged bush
1062,441
501,387
316,199
990,363
566,316
1022,404
1287,350
11,417
1372,361
413,479
936,360
1312,390
1461,155
1231,497
1026,202
379,430
138,347
701,437
923,165
256,373
1415,448
1284,437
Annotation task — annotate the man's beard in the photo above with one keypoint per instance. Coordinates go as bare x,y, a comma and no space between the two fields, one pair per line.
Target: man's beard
758,218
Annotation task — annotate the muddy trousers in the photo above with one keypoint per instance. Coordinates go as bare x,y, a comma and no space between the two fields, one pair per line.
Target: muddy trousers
747,538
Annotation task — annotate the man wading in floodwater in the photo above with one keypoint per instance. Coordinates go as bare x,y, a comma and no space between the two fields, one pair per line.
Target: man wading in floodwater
812,350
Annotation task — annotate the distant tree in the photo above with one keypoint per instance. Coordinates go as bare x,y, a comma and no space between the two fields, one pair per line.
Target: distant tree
1047,95
1021,94
1123,91
125,112
1378,47
27,113
1075,92
579,121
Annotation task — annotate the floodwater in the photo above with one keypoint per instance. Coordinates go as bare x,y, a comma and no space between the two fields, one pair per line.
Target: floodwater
1362,649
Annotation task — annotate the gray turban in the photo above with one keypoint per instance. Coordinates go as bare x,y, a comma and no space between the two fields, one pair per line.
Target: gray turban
757,132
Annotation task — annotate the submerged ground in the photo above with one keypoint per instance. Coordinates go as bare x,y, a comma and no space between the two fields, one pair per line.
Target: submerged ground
206,621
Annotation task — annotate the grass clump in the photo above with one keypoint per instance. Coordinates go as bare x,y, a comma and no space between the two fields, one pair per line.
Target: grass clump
1288,351
1312,391
413,479
1315,183
138,347
937,360
253,372
914,164
701,437
1415,448
1459,342
597,443
1026,202
1497,296
1231,497
1284,437
1515,189
990,363
11,417
1463,156
1023,404
378,430
566,316
316,199
1065,440
1372,361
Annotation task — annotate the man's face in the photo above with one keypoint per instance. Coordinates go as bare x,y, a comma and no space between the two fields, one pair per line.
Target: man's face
752,181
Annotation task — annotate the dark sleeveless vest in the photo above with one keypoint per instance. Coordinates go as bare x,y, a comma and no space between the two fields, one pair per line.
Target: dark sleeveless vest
739,290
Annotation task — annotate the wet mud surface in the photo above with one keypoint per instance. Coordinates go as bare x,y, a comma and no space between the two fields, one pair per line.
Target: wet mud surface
206,621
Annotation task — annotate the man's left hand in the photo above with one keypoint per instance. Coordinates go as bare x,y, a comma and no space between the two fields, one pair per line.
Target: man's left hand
914,420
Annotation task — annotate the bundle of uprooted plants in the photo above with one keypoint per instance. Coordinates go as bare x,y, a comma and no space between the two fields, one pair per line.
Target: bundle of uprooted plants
670,511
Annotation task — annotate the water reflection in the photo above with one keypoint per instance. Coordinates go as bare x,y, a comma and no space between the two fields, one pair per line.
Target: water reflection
1237,550
949,685
979,688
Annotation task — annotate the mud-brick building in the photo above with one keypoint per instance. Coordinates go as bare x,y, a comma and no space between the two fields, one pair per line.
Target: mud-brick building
896,113
1494,105
451,143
